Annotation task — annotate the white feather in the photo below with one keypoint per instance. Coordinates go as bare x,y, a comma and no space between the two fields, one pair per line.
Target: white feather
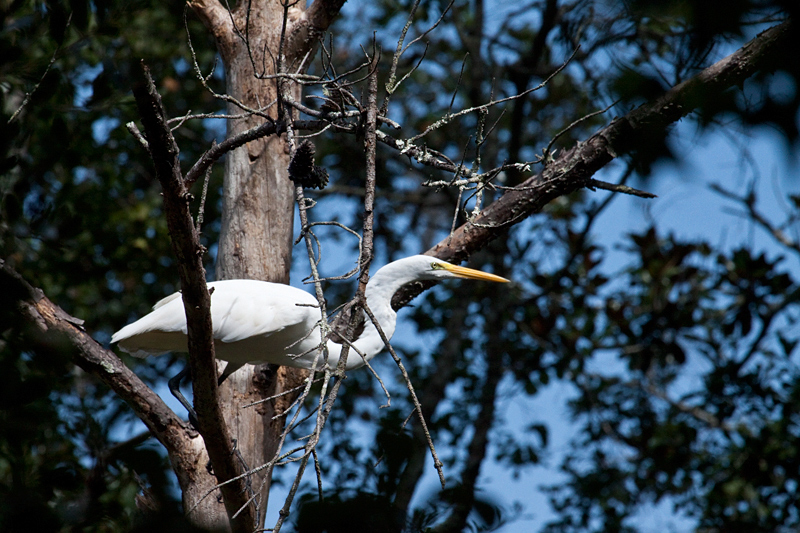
262,322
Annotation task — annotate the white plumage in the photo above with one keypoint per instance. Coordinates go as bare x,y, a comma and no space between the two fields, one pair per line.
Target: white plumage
263,322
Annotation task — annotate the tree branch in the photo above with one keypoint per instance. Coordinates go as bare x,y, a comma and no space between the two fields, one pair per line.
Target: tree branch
46,326
620,188
197,301
575,167
305,29
215,18
321,15
430,395
218,150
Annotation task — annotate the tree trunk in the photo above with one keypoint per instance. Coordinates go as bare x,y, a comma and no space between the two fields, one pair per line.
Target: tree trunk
256,236
255,243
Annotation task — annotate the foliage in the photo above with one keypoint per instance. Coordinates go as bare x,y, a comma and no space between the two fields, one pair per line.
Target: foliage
691,394
81,215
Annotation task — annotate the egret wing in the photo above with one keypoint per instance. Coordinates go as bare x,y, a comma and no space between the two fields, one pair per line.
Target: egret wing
240,309
243,309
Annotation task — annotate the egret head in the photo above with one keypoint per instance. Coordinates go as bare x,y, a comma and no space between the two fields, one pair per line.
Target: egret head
430,268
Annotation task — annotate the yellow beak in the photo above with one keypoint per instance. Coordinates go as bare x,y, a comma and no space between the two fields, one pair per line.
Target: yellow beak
469,273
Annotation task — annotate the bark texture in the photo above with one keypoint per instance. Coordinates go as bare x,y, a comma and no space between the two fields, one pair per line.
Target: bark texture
256,41
238,511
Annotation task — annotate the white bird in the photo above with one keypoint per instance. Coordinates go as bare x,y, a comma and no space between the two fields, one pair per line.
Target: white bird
261,322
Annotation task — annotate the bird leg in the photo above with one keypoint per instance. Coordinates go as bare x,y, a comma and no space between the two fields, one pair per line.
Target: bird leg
175,388
230,368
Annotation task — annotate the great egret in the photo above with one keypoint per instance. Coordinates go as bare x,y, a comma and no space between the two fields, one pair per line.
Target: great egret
261,322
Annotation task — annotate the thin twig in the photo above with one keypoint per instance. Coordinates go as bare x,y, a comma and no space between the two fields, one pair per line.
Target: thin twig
430,29
318,471
573,124
202,208
417,407
390,82
28,95
275,396
617,187
204,79
187,117
137,135
449,117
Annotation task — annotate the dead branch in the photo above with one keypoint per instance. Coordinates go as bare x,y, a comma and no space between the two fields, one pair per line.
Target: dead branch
269,127
617,187
189,254
573,169
46,326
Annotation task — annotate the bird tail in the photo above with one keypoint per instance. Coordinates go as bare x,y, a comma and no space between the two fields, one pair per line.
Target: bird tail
154,334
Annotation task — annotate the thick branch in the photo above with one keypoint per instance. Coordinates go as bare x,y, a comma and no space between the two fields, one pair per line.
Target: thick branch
306,30
215,17
46,326
322,13
197,301
574,169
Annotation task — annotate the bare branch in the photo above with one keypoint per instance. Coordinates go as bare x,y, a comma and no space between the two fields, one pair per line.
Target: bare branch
616,187
322,354
47,326
437,463
449,117
189,254
204,79
269,127
284,393
390,83
204,194
430,29
573,169
137,135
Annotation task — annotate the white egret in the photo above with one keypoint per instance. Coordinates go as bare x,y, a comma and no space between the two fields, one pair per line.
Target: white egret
261,322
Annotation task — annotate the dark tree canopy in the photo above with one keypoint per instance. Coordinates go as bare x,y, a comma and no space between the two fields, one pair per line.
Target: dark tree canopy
682,361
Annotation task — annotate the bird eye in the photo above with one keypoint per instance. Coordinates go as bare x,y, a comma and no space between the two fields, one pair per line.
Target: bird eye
436,266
